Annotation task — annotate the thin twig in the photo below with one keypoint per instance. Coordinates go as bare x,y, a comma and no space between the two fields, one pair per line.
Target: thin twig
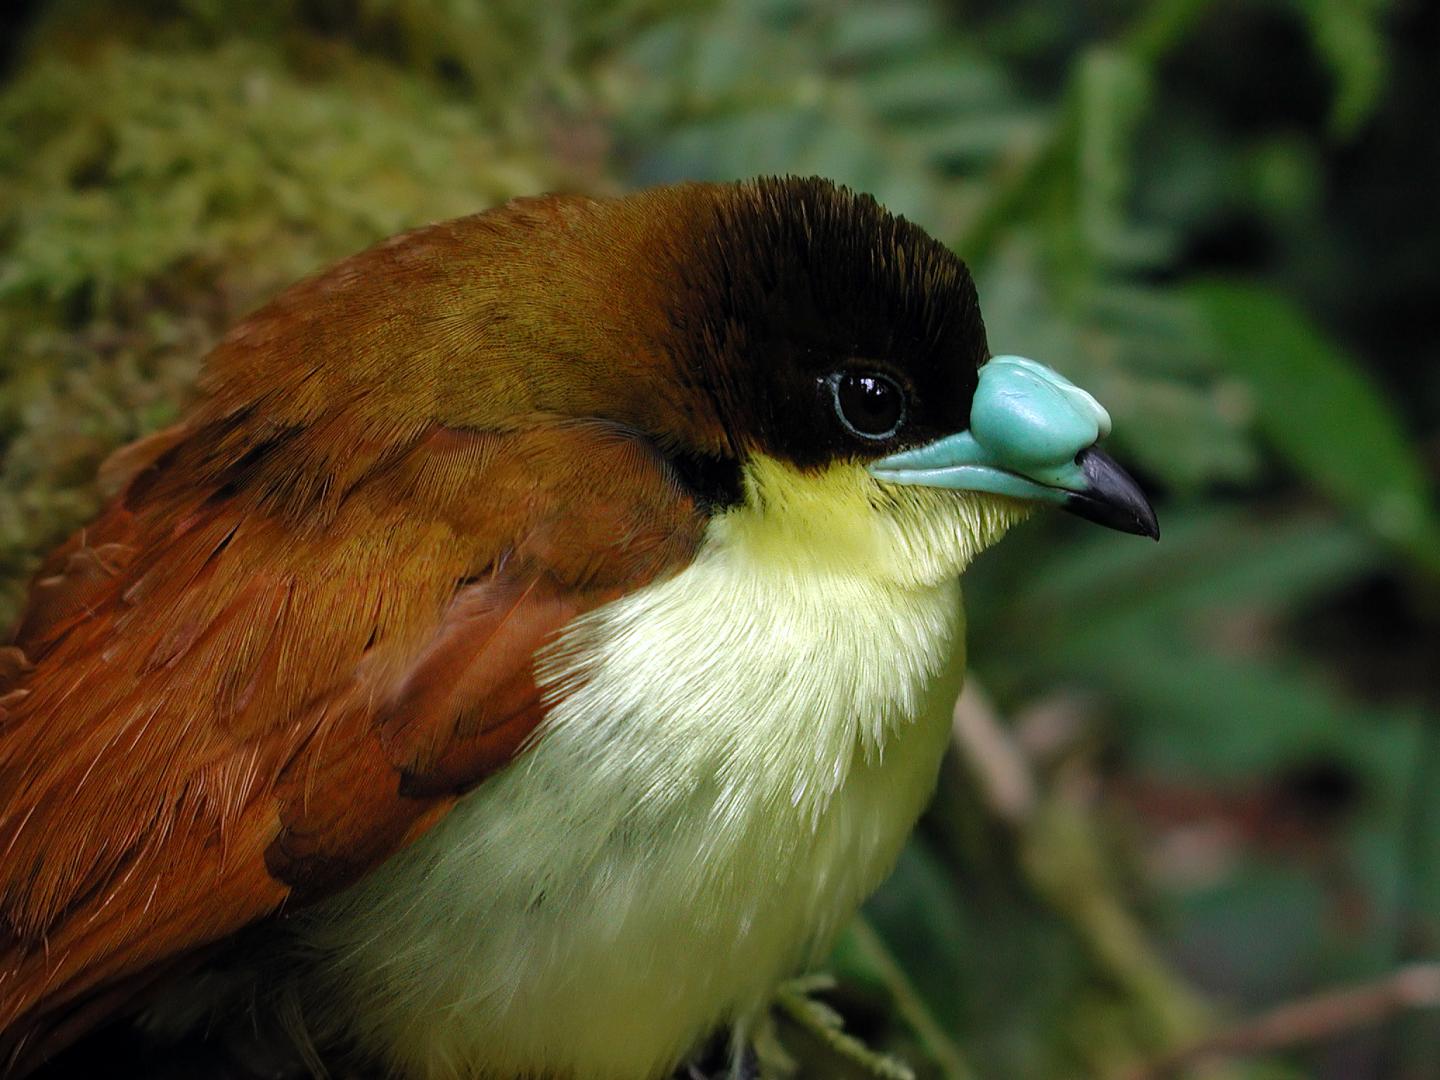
997,761
910,1004
1414,924
1312,1019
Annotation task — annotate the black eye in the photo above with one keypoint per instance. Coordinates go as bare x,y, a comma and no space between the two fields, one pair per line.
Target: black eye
870,405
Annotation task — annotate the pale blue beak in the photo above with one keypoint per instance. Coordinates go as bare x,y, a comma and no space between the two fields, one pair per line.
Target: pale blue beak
1032,435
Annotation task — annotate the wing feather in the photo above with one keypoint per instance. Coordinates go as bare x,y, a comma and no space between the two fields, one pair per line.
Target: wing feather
213,708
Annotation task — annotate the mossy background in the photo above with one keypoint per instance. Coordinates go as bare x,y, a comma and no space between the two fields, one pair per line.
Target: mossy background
1204,777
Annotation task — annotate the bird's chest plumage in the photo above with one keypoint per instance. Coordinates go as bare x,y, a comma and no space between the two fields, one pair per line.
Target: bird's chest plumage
734,760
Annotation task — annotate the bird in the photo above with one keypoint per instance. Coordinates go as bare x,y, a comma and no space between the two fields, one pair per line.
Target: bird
531,645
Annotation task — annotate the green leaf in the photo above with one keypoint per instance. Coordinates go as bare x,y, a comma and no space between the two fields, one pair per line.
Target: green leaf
1320,409
1114,91
884,32
1163,629
1348,36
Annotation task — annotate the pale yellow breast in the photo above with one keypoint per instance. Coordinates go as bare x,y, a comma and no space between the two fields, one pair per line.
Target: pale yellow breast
739,757
733,760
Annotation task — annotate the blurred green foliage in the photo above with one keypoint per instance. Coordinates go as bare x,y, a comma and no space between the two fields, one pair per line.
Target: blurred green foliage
1218,215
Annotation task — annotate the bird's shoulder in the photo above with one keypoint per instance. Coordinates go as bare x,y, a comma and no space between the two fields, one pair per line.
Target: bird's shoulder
216,706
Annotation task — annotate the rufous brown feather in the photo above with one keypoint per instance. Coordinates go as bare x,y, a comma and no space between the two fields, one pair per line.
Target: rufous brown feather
307,621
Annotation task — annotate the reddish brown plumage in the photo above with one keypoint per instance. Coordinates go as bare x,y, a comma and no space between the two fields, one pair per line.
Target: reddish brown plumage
302,629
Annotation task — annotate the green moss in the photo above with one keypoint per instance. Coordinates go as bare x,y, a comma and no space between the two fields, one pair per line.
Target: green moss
152,197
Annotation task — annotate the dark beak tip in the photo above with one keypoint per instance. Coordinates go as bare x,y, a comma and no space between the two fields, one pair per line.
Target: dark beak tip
1149,527
1112,497
1146,524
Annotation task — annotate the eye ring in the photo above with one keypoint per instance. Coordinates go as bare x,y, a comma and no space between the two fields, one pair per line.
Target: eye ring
869,405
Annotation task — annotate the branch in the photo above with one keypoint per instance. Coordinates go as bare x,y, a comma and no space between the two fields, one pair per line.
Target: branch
1312,1019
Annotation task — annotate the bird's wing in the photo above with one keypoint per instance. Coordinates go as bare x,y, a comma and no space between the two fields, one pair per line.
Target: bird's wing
215,708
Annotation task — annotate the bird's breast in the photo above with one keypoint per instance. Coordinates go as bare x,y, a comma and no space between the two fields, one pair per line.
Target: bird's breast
733,759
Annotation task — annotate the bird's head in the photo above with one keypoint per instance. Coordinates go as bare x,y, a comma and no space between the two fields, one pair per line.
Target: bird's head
828,384
815,368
